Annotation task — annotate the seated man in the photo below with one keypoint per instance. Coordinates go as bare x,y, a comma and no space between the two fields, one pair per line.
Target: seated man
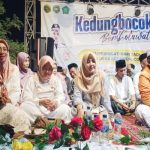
143,62
43,94
131,70
143,110
74,71
121,90
67,80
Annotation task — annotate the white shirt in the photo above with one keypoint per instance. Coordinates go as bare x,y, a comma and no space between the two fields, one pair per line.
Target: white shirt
35,90
123,90
13,86
136,85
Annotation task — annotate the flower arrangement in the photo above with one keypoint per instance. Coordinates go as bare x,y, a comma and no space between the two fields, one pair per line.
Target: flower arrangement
5,139
8,143
59,134
66,134
126,138
21,144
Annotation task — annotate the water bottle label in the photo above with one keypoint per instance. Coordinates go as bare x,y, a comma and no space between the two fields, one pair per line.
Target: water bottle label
105,128
118,121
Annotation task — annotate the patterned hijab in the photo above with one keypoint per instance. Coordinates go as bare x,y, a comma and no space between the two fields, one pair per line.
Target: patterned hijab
43,61
24,72
91,84
6,68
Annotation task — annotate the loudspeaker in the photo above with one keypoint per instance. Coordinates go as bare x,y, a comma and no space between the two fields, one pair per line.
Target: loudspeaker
33,47
36,51
38,48
50,47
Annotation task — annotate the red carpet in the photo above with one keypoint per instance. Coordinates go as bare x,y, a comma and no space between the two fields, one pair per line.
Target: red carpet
133,129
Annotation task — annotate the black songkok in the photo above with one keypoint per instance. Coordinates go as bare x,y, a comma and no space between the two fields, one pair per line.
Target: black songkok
120,63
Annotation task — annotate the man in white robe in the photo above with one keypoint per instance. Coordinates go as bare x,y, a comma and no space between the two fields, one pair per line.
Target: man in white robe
121,90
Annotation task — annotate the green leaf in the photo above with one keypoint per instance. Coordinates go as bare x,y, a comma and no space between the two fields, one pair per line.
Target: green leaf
58,144
125,139
76,136
91,124
64,129
49,127
2,132
40,146
86,147
2,136
85,121
68,138
2,140
144,134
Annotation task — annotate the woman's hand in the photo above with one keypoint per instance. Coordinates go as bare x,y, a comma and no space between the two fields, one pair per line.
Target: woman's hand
53,105
49,104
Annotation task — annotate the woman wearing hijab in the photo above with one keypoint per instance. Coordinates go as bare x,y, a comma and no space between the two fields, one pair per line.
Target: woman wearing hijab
90,85
43,94
22,62
23,65
10,92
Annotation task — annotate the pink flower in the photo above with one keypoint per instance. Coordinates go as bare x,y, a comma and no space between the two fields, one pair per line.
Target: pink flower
76,121
98,123
85,132
124,131
133,139
54,134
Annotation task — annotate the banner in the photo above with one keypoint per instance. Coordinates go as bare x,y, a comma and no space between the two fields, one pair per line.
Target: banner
112,32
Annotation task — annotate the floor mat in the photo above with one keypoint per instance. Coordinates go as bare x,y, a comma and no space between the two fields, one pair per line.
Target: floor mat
133,129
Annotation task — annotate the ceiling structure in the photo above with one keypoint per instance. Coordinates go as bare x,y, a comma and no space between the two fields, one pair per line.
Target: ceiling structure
30,14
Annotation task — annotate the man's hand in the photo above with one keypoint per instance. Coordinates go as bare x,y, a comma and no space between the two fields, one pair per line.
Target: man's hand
125,107
132,107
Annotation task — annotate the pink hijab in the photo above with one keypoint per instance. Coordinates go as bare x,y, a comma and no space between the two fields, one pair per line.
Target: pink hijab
24,73
6,68
44,60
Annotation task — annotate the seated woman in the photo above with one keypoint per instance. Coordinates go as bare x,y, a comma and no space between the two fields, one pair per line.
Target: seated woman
23,65
25,72
43,94
90,85
10,92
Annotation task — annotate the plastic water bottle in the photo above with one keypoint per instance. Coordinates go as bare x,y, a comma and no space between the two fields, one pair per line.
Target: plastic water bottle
88,114
117,126
105,130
